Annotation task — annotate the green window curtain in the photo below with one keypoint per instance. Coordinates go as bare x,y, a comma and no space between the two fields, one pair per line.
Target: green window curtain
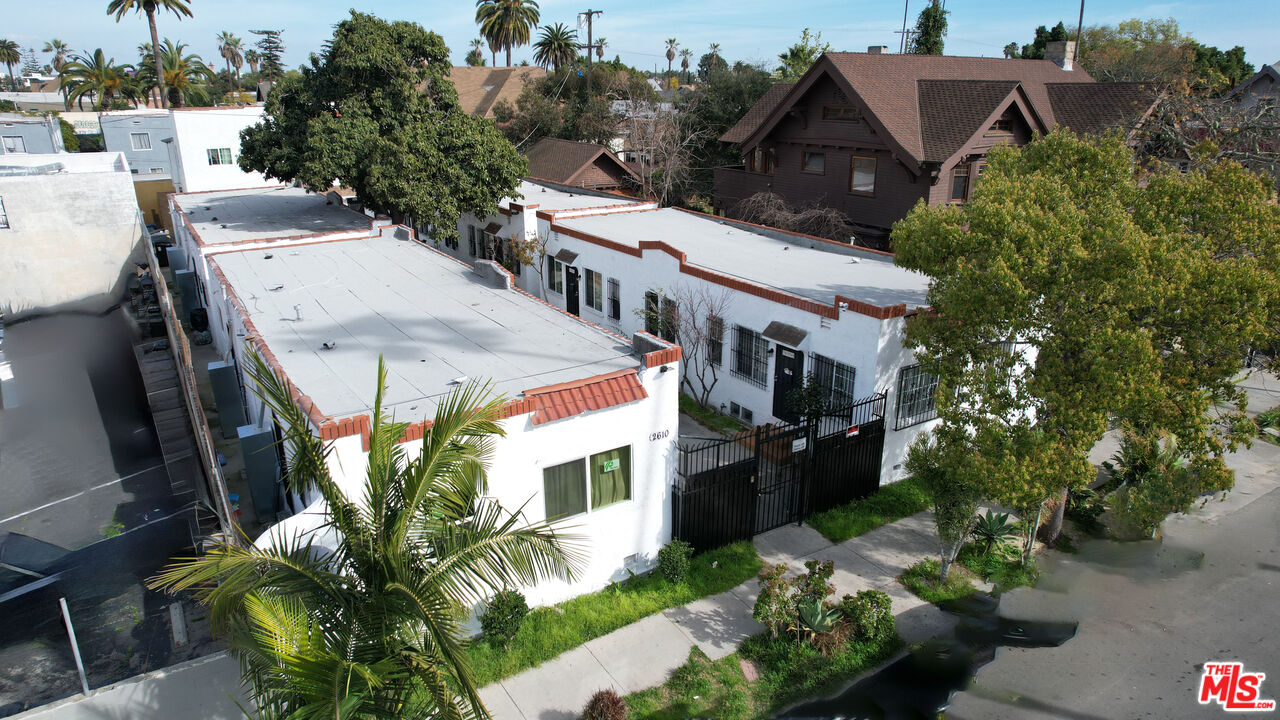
564,490
610,477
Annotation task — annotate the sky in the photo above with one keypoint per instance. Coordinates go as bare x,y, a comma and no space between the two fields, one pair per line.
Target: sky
751,30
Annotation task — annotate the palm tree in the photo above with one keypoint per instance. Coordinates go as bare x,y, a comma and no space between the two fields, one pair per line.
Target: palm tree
362,619
507,23
98,77
229,49
685,54
494,47
252,57
672,46
714,50
557,46
10,53
600,45
475,58
186,78
120,8
59,50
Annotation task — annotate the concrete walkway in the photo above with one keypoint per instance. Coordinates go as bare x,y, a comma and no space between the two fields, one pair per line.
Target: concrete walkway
643,654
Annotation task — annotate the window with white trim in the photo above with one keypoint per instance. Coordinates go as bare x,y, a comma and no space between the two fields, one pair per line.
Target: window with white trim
219,156
750,356
14,144
140,141
596,481
595,290
555,275
917,397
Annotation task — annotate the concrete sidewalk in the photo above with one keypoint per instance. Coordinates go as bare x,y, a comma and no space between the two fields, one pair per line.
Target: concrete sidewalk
643,654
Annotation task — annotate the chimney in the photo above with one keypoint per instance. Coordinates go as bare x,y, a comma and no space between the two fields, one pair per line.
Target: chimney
877,49
1060,52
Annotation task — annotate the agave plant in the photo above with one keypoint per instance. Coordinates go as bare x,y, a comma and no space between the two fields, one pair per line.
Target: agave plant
993,530
817,619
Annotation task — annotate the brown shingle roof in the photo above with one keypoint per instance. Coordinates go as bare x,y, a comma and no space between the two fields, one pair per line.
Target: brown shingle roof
757,113
1097,107
480,88
952,111
559,161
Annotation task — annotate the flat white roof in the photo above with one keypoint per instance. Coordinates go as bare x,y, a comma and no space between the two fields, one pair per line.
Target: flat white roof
553,199
432,318
64,162
816,274
263,214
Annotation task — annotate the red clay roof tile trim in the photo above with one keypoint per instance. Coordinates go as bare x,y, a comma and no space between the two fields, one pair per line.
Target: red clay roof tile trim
556,402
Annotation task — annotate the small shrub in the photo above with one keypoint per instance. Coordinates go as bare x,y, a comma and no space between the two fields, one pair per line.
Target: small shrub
813,586
1270,418
605,705
1003,568
502,619
673,560
993,530
1084,507
775,605
869,614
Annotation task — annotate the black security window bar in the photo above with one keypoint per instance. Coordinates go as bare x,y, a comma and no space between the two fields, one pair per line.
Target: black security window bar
837,379
615,301
670,320
715,339
471,239
917,397
651,313
750,355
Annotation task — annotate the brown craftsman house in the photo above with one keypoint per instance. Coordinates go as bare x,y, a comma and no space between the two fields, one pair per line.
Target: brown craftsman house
578,164
872,134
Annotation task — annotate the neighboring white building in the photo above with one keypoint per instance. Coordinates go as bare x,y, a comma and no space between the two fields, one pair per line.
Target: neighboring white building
591,417
70,230
198,148
793,305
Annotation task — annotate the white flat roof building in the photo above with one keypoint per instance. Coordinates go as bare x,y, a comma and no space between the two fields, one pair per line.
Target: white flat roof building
275,213
551,198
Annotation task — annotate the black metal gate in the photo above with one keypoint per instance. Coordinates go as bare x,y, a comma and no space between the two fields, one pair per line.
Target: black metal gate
772,475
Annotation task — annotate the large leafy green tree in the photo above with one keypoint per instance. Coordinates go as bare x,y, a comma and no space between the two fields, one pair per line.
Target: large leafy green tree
1069,291
507,23
717,105
1043,36
120,8
363,618
375,111
798,58
931,28
557,47
270,54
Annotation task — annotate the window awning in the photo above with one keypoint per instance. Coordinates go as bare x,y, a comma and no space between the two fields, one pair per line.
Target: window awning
785,334
493,228
566,256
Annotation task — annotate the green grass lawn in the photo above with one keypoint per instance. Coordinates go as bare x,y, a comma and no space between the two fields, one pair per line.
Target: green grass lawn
713,419
888,504
1002,567
922,579
549,631
788,672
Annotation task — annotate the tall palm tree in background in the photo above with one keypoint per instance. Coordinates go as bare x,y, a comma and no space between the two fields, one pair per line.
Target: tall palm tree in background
59,50
508,23
252,57
229,49
714,51
685,54
10,53
475,58
600,46
100,78
494,47
185,78
363,618
557,47
120,8
672,47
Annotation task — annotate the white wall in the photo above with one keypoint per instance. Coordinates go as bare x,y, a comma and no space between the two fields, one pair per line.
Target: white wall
197,131
73,236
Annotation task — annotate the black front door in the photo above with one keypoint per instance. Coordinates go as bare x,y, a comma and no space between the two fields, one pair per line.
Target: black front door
788,374
571,290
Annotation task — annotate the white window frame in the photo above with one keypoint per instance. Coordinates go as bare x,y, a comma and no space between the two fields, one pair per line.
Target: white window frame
4,216
134,137
219,156
11,143
594,291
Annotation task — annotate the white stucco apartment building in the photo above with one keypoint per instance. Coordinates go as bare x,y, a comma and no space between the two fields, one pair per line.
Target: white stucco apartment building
792,305
197,147
323,291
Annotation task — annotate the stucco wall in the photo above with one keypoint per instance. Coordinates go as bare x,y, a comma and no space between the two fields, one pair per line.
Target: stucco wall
198,131
72,236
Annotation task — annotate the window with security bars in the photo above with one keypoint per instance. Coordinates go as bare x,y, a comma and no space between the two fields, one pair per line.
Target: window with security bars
670,320
651,312
715,339
750,355
836,378
615,300
917,397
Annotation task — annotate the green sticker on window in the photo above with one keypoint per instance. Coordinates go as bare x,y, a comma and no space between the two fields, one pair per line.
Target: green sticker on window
611,465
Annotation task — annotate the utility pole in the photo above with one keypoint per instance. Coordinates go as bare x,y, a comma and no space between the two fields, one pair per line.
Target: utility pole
1075,52
902,42
590,45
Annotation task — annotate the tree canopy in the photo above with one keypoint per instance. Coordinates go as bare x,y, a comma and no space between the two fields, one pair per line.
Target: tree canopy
1035,51
1155,51
798,58
377,113
931,28
1069,292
